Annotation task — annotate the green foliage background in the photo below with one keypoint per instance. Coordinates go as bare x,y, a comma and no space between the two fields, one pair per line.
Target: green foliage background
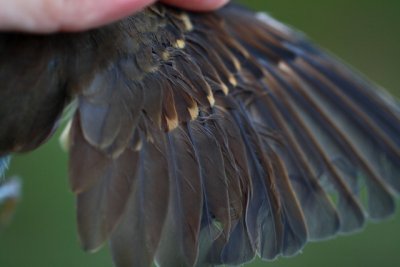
365,33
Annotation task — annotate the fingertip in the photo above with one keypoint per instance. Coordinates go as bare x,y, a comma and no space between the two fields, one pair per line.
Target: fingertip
197,5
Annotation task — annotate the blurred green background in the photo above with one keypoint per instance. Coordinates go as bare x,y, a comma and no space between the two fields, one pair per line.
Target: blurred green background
365,33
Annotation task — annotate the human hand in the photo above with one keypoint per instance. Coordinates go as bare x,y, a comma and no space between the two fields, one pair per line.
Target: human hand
44,16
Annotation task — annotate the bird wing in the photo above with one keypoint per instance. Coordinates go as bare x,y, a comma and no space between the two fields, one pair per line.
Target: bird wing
206,139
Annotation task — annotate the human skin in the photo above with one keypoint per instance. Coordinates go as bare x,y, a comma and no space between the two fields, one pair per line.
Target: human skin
46,16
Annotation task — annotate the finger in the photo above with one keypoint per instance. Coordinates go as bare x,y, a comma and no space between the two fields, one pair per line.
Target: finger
71,15
198,5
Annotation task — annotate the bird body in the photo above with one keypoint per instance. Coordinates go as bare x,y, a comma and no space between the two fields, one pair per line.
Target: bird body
199,141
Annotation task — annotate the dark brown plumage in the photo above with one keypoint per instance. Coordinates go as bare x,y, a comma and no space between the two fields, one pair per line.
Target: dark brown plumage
204,139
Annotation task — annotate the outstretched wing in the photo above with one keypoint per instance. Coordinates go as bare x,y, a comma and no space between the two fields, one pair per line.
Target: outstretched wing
205,139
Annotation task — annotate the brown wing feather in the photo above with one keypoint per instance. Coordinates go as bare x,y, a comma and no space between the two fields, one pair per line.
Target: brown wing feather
206,139
136,238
